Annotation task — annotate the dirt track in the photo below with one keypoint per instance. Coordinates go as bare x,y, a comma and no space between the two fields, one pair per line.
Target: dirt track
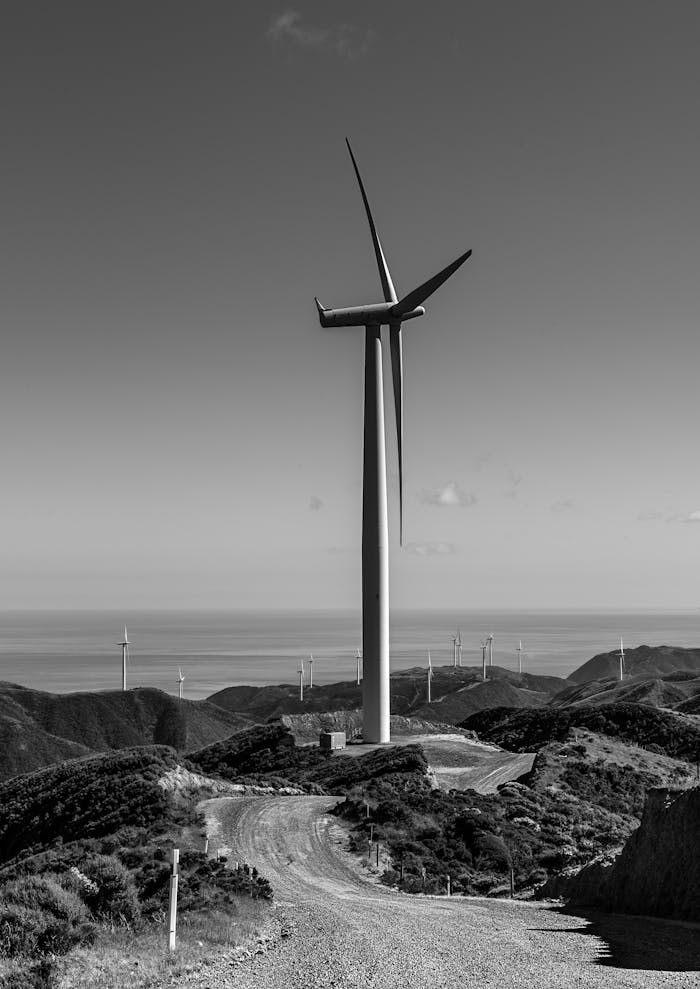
350,932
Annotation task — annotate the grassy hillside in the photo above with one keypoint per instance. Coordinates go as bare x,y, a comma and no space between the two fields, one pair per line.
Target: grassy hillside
650,661
451,694
675,690
675,735
40,729
456,705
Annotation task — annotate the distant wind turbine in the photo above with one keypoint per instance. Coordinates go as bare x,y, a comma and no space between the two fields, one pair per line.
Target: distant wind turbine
490,642
459,647
483,658
430,675
301,682
519,651
125,657
454,650
311,670
180,680
375,540
622,660
358,659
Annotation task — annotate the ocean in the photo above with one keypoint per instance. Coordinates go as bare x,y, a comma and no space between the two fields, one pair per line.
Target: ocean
65,651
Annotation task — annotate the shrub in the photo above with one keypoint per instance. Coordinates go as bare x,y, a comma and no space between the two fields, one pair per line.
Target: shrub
115,894
39,917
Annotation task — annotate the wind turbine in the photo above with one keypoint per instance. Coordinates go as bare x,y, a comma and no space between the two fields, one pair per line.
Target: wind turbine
375,540
301,681
454,651
125,657
490,642
358,659
622,660
483,658
180,680
430,675
459,647
311,670
519,651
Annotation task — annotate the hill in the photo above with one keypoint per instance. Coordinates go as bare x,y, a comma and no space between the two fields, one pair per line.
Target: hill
676,735
651,661
451,702
38,728
679,690
454,706
605,771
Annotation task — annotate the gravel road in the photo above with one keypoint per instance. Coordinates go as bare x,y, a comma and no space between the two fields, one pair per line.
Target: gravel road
347,931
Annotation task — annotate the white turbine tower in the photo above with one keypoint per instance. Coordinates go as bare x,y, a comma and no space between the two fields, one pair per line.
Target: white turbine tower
311,670
483,658
519,651
301,681
622,661
490,642
430,675
358,660
125,657
180,680
454,651
375,523
459,647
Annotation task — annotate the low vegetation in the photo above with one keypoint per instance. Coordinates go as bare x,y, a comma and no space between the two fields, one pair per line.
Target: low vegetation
477,839
636,724
86,848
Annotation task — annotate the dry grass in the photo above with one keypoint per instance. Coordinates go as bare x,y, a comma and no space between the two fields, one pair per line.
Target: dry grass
141,959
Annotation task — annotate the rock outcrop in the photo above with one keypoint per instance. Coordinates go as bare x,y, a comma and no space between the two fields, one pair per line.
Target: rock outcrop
657,873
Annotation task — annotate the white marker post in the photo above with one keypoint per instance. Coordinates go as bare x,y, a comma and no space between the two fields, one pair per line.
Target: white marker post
172,902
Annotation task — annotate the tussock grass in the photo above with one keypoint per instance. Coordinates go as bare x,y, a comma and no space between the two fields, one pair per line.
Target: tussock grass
140,959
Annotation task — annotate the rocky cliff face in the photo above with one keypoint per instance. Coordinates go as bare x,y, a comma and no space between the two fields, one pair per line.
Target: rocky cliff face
657,872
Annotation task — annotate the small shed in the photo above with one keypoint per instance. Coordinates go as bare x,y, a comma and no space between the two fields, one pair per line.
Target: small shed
330,740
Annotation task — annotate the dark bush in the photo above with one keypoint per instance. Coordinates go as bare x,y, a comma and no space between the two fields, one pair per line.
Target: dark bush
111,893
39,917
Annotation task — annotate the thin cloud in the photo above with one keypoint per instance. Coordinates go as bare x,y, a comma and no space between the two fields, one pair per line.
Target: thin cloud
449,497
315,503
560,507
342,39
430,549
649,516
693,517
514,482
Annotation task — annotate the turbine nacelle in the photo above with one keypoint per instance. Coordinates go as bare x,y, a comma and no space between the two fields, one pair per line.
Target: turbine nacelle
377,314
392,312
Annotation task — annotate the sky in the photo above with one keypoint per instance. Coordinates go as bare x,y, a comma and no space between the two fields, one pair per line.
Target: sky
177,431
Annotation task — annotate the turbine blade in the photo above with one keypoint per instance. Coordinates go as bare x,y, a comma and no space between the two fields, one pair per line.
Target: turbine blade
397,380
385,277
420,294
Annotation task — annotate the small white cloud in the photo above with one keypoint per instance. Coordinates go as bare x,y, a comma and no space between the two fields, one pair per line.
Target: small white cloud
315,503
560,507
342,39
430,549
449,496
693,517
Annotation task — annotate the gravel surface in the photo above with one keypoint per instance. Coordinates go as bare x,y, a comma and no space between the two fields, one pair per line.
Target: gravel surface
341,929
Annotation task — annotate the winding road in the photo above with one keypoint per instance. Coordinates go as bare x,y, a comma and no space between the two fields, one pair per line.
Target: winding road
349,931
